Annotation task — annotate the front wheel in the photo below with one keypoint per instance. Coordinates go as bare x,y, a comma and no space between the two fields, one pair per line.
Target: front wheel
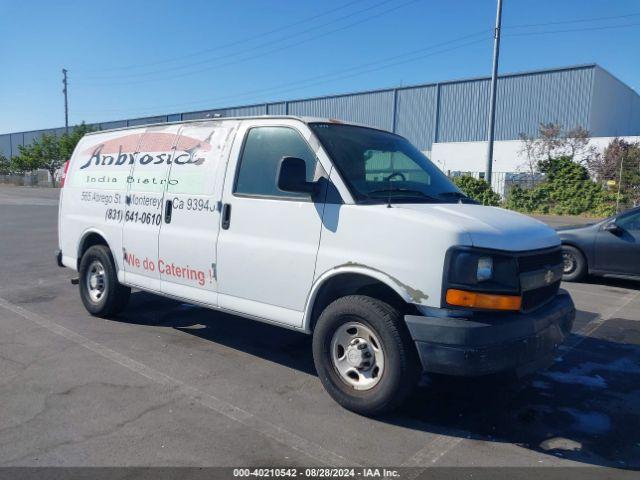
100,291
364,355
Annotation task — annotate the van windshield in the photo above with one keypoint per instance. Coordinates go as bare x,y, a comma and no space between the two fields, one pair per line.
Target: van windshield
380,166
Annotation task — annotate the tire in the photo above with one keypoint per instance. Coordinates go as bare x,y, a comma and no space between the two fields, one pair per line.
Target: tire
575,265
360,388
98,268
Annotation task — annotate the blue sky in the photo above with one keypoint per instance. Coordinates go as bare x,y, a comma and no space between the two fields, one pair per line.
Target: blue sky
139,58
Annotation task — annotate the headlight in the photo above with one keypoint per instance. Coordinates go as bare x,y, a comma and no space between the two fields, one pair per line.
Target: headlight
485,269
481,280
468,267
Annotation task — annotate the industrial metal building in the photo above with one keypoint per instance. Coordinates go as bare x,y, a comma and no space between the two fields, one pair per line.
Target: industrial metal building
449,111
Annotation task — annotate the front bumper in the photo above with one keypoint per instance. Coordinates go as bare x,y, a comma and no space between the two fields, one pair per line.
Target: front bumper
492,342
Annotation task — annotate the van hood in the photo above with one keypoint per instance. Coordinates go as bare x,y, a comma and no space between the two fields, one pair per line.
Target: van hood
491,227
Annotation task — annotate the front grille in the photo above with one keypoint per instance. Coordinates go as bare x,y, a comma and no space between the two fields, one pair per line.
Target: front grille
533,299
536,297
536,261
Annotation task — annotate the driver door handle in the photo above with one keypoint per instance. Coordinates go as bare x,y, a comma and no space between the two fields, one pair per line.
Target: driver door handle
226,216
168,209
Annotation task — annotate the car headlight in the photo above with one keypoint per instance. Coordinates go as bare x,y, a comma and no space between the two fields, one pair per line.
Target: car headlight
478,272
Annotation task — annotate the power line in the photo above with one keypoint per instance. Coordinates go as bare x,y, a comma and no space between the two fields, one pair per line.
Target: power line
226,45
315,77
260,54
563,22
338,76
331,77
585,29
250,49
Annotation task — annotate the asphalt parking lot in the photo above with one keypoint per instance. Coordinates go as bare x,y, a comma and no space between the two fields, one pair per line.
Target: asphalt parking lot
171,384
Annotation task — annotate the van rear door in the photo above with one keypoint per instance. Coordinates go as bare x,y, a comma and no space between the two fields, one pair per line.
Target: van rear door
144,205
188,236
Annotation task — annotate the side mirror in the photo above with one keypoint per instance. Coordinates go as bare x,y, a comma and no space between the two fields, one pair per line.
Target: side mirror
292,176
613,228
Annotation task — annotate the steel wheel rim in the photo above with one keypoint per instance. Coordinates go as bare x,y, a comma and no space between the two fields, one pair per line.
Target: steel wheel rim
569,263
357,355
95,281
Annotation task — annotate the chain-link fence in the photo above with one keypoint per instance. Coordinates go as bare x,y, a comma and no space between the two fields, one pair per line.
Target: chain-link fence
35,179
620,188
503,182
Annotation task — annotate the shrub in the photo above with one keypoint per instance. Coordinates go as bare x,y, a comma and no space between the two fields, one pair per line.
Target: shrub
568,190
477,189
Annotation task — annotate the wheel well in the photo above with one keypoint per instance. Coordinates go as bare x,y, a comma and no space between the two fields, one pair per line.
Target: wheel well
89,241
357,284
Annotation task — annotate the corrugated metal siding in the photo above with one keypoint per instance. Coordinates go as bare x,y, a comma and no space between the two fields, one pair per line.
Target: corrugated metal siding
29,137
199,115
16,139
463,111
146,120
277,108
615,106
577,96
525,101
5,145
110,125
373,109
247,111
416,115
635,115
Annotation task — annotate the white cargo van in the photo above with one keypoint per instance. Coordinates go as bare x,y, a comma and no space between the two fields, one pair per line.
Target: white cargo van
345,232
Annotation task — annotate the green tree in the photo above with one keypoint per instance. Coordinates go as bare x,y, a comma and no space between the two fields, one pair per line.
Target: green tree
49,152
477,189
42,153
619,163
567,190
5,165
69,141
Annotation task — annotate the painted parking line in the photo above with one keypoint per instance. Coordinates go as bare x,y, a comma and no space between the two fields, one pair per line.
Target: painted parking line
264,427
438,447
624,292
433,451
590,328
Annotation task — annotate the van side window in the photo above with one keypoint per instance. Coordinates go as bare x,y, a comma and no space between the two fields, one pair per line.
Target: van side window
264,147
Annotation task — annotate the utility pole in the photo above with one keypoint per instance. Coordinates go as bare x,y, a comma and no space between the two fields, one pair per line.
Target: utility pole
492,101
66,104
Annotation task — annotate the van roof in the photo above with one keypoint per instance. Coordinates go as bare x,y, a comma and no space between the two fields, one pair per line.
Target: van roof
252,117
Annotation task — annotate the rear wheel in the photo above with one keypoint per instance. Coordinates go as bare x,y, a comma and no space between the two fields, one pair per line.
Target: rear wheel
100,291
364,355
575,265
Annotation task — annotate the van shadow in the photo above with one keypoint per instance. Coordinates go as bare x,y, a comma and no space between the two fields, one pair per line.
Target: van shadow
585,407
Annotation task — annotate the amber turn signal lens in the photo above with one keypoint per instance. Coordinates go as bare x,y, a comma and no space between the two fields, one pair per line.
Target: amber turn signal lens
463,298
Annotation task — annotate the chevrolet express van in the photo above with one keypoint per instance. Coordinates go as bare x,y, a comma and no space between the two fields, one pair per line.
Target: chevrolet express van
341,231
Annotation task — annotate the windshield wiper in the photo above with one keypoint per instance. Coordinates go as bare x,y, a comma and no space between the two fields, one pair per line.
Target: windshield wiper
461,197
453,194
407,191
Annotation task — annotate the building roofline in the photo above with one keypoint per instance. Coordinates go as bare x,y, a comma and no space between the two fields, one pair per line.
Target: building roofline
387,89
339,95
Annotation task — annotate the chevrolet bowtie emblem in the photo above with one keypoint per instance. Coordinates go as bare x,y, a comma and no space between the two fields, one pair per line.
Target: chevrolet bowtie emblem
548,277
